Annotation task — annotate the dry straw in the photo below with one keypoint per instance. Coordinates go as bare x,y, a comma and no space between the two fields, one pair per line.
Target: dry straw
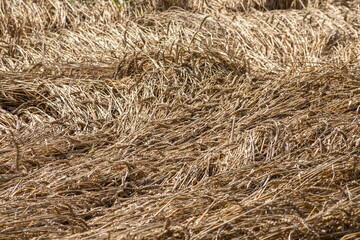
207,120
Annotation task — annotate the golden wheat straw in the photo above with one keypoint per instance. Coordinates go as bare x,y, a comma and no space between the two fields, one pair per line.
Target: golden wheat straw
214,119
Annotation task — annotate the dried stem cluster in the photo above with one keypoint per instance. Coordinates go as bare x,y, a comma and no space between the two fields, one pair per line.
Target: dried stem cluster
208,120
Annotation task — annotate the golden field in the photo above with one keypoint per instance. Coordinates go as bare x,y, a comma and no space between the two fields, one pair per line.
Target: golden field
200,119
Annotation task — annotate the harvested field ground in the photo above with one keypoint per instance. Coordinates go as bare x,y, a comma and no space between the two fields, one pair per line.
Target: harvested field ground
207,120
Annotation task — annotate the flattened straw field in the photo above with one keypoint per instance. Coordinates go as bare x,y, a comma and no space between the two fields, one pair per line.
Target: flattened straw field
215,119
